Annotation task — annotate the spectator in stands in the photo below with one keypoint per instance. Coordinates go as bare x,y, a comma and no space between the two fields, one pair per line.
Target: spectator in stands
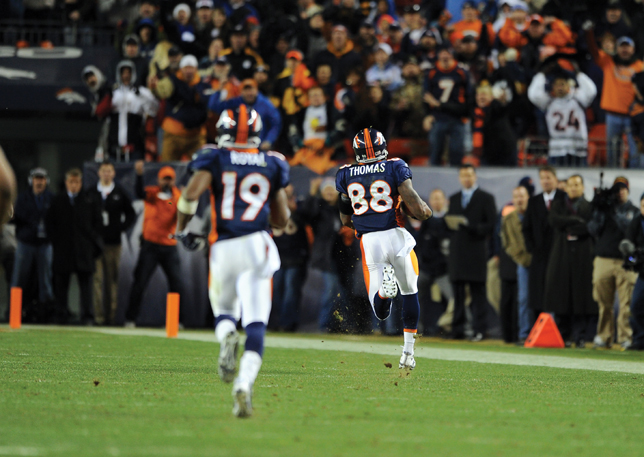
510,35
292,85
637,111
471,218
180,29
415,28
264,84
117,216
565,115
569,277
147,14
426,50
157,248
493,139
395,37
207,62
511,76
323,78
339,54
345,14
617,93
34,247
242,58
250,96
366,43
407,103
312,133
146,30
130,50
184,130
373,110
239,12
383,72
538,236
613,21
473,60
127,109
73,224
514,245
78,11
317,42
293,246
96,83
220,27
203,21
608,225
471,25
448,100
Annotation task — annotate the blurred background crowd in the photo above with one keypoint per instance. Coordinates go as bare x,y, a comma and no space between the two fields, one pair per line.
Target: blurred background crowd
468,84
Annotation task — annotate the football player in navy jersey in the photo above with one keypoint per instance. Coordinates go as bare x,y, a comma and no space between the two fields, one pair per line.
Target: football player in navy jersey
373,194
247,198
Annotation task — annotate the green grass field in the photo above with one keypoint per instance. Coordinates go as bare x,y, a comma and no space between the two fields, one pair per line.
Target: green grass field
80,393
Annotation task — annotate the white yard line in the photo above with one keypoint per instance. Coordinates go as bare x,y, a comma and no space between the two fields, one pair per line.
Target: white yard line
450,354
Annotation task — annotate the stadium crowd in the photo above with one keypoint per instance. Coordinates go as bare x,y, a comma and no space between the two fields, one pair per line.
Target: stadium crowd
512,82
461,93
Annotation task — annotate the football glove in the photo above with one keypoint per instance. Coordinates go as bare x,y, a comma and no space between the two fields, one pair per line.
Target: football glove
191,241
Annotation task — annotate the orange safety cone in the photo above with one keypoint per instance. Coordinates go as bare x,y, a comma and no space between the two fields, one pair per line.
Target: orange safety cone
544,334
172,315
15,310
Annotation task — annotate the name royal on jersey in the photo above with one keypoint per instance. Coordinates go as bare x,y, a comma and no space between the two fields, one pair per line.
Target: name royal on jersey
364,169
248,158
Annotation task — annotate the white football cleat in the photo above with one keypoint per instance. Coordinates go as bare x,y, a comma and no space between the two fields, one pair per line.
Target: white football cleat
242,400
389,288
407,361
228,357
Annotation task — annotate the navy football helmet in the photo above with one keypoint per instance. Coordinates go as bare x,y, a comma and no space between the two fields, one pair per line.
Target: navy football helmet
239,128
370,145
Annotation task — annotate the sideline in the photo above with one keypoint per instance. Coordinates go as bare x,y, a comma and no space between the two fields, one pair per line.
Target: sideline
422,352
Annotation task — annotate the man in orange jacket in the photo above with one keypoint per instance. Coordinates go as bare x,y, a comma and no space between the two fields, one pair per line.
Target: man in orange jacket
157,248
618,94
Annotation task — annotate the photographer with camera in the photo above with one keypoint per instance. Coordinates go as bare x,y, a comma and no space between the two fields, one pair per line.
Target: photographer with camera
632,247
612,213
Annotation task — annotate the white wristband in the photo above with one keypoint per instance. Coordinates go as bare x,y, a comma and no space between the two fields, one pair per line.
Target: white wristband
187,207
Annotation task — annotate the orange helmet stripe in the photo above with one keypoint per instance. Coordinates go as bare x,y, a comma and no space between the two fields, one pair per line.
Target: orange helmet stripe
369,145
242,125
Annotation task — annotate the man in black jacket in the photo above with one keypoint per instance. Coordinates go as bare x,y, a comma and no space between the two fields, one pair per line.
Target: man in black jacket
608,226
118,216
73,223
538,235
471,217
34,246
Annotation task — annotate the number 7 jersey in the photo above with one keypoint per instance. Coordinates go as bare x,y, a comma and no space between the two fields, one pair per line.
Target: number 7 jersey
243,183
373,190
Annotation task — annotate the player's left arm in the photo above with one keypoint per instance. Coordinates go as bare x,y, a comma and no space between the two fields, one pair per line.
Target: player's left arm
7,189
346,210
414,204
280,212
189,200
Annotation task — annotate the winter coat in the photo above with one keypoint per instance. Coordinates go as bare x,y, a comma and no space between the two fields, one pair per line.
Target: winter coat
27,217
513,241
75,232
569,277
468,252
117,214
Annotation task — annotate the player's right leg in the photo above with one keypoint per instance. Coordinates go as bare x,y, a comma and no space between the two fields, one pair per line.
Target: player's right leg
379,277
225,306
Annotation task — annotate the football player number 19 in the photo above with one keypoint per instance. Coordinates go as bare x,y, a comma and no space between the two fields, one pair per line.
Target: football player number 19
253,189
380,200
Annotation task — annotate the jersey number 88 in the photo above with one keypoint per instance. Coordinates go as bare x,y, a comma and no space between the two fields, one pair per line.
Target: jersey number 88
380,201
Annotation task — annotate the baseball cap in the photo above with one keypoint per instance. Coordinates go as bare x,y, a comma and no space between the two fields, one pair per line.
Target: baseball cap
239,29
536,18
411,9
261,69
167,172
526,182
625,40
205,4
385,47
468,39
395,26
188,61
38,172
248,82
367,24
468,4
294,54
520,6
221,60
621,181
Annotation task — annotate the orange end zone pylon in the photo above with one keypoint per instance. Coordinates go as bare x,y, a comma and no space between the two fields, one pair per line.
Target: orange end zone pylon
172,315
15,310
544,334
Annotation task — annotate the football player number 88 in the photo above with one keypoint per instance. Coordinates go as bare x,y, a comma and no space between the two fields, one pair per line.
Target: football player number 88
380,201
253,189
